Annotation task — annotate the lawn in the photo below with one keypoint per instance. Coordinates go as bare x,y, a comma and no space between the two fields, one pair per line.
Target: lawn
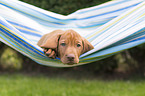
39,85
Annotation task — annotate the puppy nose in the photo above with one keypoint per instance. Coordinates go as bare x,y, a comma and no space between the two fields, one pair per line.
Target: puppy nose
70,57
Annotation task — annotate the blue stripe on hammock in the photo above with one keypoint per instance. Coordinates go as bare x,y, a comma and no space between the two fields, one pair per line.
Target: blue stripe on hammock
118,2
22,25
21,41
71,18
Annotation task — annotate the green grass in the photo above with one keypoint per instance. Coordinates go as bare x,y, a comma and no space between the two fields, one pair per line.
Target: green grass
24,85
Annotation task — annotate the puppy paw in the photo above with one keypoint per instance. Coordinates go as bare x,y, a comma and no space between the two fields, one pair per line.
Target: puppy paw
49,53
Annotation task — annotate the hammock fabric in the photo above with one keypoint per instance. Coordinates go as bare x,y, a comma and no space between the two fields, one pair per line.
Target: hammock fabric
110,27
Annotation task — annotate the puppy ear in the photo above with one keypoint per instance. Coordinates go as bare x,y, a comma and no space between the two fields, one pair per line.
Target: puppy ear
86,46
50,40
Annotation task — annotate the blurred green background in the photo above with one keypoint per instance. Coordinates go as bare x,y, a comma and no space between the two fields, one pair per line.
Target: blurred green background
22,76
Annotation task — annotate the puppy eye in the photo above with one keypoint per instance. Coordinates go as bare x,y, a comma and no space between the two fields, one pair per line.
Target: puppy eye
78,45
62,44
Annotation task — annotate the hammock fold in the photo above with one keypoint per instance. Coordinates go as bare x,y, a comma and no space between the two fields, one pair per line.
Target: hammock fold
110,27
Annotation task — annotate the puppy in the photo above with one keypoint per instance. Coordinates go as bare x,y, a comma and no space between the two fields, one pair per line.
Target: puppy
67,45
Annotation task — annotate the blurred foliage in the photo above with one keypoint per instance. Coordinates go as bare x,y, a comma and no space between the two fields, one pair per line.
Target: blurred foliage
64,7
9,59
130,60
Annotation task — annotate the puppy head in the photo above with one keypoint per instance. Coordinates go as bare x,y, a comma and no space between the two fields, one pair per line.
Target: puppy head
71,46
68,44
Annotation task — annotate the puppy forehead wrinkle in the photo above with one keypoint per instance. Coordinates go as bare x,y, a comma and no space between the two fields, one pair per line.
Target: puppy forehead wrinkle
71,38
70,34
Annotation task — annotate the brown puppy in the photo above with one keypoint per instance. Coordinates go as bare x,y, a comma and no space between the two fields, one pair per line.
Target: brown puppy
67,45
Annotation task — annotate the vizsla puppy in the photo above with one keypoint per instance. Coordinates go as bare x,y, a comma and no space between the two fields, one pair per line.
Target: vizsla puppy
67,45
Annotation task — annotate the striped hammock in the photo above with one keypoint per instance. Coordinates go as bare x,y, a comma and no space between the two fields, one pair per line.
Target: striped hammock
110,27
